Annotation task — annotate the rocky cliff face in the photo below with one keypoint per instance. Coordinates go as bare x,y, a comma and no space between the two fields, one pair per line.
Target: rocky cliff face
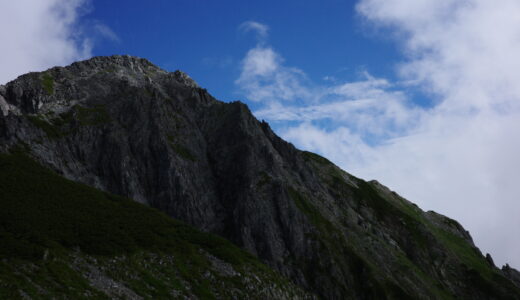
61,239
125,126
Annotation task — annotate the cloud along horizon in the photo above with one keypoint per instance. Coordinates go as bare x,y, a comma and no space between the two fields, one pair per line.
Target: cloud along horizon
458,157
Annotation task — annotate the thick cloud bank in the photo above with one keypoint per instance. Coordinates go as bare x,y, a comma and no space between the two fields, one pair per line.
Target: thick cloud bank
463,158
38,34
459,156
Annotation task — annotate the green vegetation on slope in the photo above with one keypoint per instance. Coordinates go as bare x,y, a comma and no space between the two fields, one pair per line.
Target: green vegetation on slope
416,231
92,116
56,127
48,223
41,210
332,241
48,83
52,131
315,157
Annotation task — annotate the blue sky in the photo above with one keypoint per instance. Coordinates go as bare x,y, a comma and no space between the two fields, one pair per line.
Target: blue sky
323,38
421,95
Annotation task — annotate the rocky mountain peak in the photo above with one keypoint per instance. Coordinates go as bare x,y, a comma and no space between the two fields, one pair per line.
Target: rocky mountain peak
129,63
60,88
122,125
185,79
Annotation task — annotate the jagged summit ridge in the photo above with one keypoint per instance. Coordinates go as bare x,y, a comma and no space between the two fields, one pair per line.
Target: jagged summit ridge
122,125
97,63
60,88
185,79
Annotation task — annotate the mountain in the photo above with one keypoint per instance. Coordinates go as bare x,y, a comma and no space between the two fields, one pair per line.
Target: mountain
122,126
64,240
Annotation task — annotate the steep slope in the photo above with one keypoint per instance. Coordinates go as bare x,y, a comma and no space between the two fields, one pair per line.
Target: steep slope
67,240
125,126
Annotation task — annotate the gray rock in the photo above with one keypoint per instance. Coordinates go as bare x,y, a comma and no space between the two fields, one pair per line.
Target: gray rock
490,260
185,79
4,106
512,274
123,125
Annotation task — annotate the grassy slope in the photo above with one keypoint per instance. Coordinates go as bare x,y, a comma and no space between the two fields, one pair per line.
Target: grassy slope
53,231
481,276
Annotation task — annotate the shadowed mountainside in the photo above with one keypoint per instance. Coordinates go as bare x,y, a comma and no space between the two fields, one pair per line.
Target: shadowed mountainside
124,126
64,240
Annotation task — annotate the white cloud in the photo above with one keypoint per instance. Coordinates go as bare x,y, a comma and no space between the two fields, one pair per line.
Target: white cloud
261,30
371,87
459,157
261,62
459,49
39,34
264,78
339,145
366,107
462,159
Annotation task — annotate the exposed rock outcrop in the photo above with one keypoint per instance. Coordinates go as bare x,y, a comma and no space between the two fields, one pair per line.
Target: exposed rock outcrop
125,126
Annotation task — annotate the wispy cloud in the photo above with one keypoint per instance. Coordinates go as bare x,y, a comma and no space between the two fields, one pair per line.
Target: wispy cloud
366,107
458,157
369,107
261,30
106,32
